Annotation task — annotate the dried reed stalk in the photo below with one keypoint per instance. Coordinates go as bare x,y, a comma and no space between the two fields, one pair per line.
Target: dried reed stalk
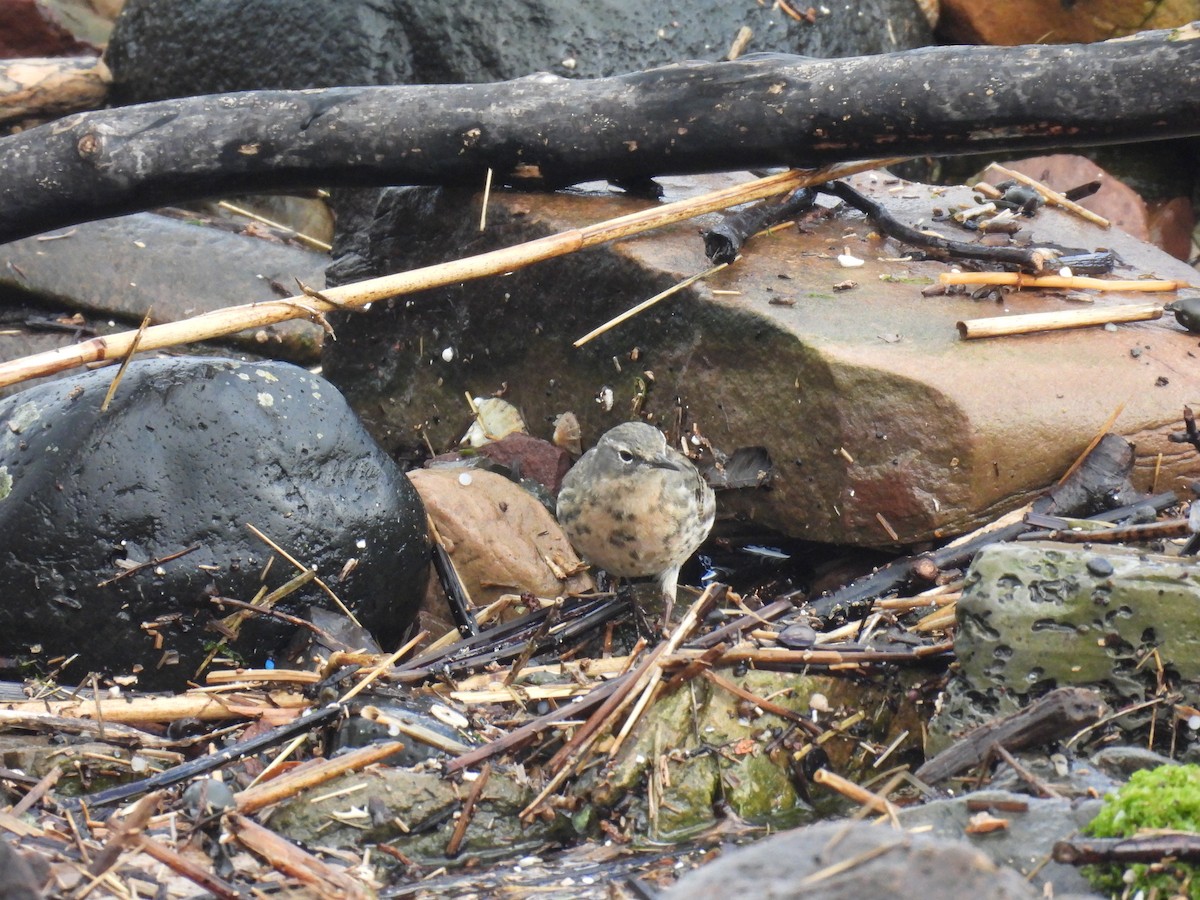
1000,326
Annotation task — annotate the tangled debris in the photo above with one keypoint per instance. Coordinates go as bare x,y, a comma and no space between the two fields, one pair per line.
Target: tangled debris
565,727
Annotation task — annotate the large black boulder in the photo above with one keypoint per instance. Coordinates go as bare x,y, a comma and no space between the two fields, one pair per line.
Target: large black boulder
189,454
172,48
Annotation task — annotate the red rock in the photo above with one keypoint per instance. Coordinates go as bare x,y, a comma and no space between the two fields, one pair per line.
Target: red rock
1055,22
1167,224
1171,225
1115,200
29,28
530,457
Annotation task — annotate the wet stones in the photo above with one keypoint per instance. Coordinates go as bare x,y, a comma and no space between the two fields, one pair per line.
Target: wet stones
119,527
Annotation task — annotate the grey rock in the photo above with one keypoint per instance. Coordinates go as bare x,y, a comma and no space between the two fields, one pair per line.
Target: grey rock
17,878
1119,762
189,454
120,268
1026,841
889,864
172,48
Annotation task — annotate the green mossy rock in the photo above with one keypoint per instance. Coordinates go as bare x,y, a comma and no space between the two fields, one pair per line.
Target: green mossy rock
1164,798
1038,615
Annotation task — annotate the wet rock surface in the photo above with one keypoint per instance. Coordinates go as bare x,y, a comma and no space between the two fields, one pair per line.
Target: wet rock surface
1037,615
172,48
412,810
878,862
752,774
870,405
1031,826
122,267
189,454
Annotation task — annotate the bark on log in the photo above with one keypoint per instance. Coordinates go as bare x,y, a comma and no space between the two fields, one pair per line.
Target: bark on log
753,112
41,88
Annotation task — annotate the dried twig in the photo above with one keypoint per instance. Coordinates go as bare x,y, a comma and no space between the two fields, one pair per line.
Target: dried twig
1032,258
274,707
1050,718
157,561
133,346
1029,323
468,811
563,763
313,773
1052,197
854,792
1020,280
303,568
301,237
181,865
646,304
285,856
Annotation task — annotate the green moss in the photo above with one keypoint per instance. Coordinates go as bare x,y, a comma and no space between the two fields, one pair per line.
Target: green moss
1165,798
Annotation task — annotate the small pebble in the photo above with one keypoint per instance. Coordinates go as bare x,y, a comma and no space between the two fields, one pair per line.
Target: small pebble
1099,566
797,637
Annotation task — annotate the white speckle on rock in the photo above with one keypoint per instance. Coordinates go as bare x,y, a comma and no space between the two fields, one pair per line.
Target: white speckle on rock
265,375
464,479
265,400
448,354
361,543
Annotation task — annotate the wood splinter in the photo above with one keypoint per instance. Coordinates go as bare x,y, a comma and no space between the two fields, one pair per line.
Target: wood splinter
1020,280
1031,323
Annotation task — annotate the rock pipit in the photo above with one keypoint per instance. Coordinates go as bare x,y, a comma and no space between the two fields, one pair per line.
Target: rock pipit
635,507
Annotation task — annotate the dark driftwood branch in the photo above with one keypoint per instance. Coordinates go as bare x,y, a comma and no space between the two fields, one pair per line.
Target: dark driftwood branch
1152,848
1057,715
753,112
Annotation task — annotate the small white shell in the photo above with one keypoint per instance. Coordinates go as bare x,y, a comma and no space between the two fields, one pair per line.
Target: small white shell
567,434
497,418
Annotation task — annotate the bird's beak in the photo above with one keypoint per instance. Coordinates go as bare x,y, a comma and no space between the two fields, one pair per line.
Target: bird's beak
663,461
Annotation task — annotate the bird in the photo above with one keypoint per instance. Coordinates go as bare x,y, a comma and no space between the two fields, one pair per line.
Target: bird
635,507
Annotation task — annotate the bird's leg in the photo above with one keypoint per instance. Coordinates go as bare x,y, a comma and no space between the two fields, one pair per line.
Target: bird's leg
669,581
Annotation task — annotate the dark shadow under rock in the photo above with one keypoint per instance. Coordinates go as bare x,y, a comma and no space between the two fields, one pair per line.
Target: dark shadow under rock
191,453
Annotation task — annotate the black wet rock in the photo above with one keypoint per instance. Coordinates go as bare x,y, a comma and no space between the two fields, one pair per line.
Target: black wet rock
189,454
174,48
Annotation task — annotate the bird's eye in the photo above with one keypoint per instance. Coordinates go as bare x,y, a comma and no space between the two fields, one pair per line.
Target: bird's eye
625,455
